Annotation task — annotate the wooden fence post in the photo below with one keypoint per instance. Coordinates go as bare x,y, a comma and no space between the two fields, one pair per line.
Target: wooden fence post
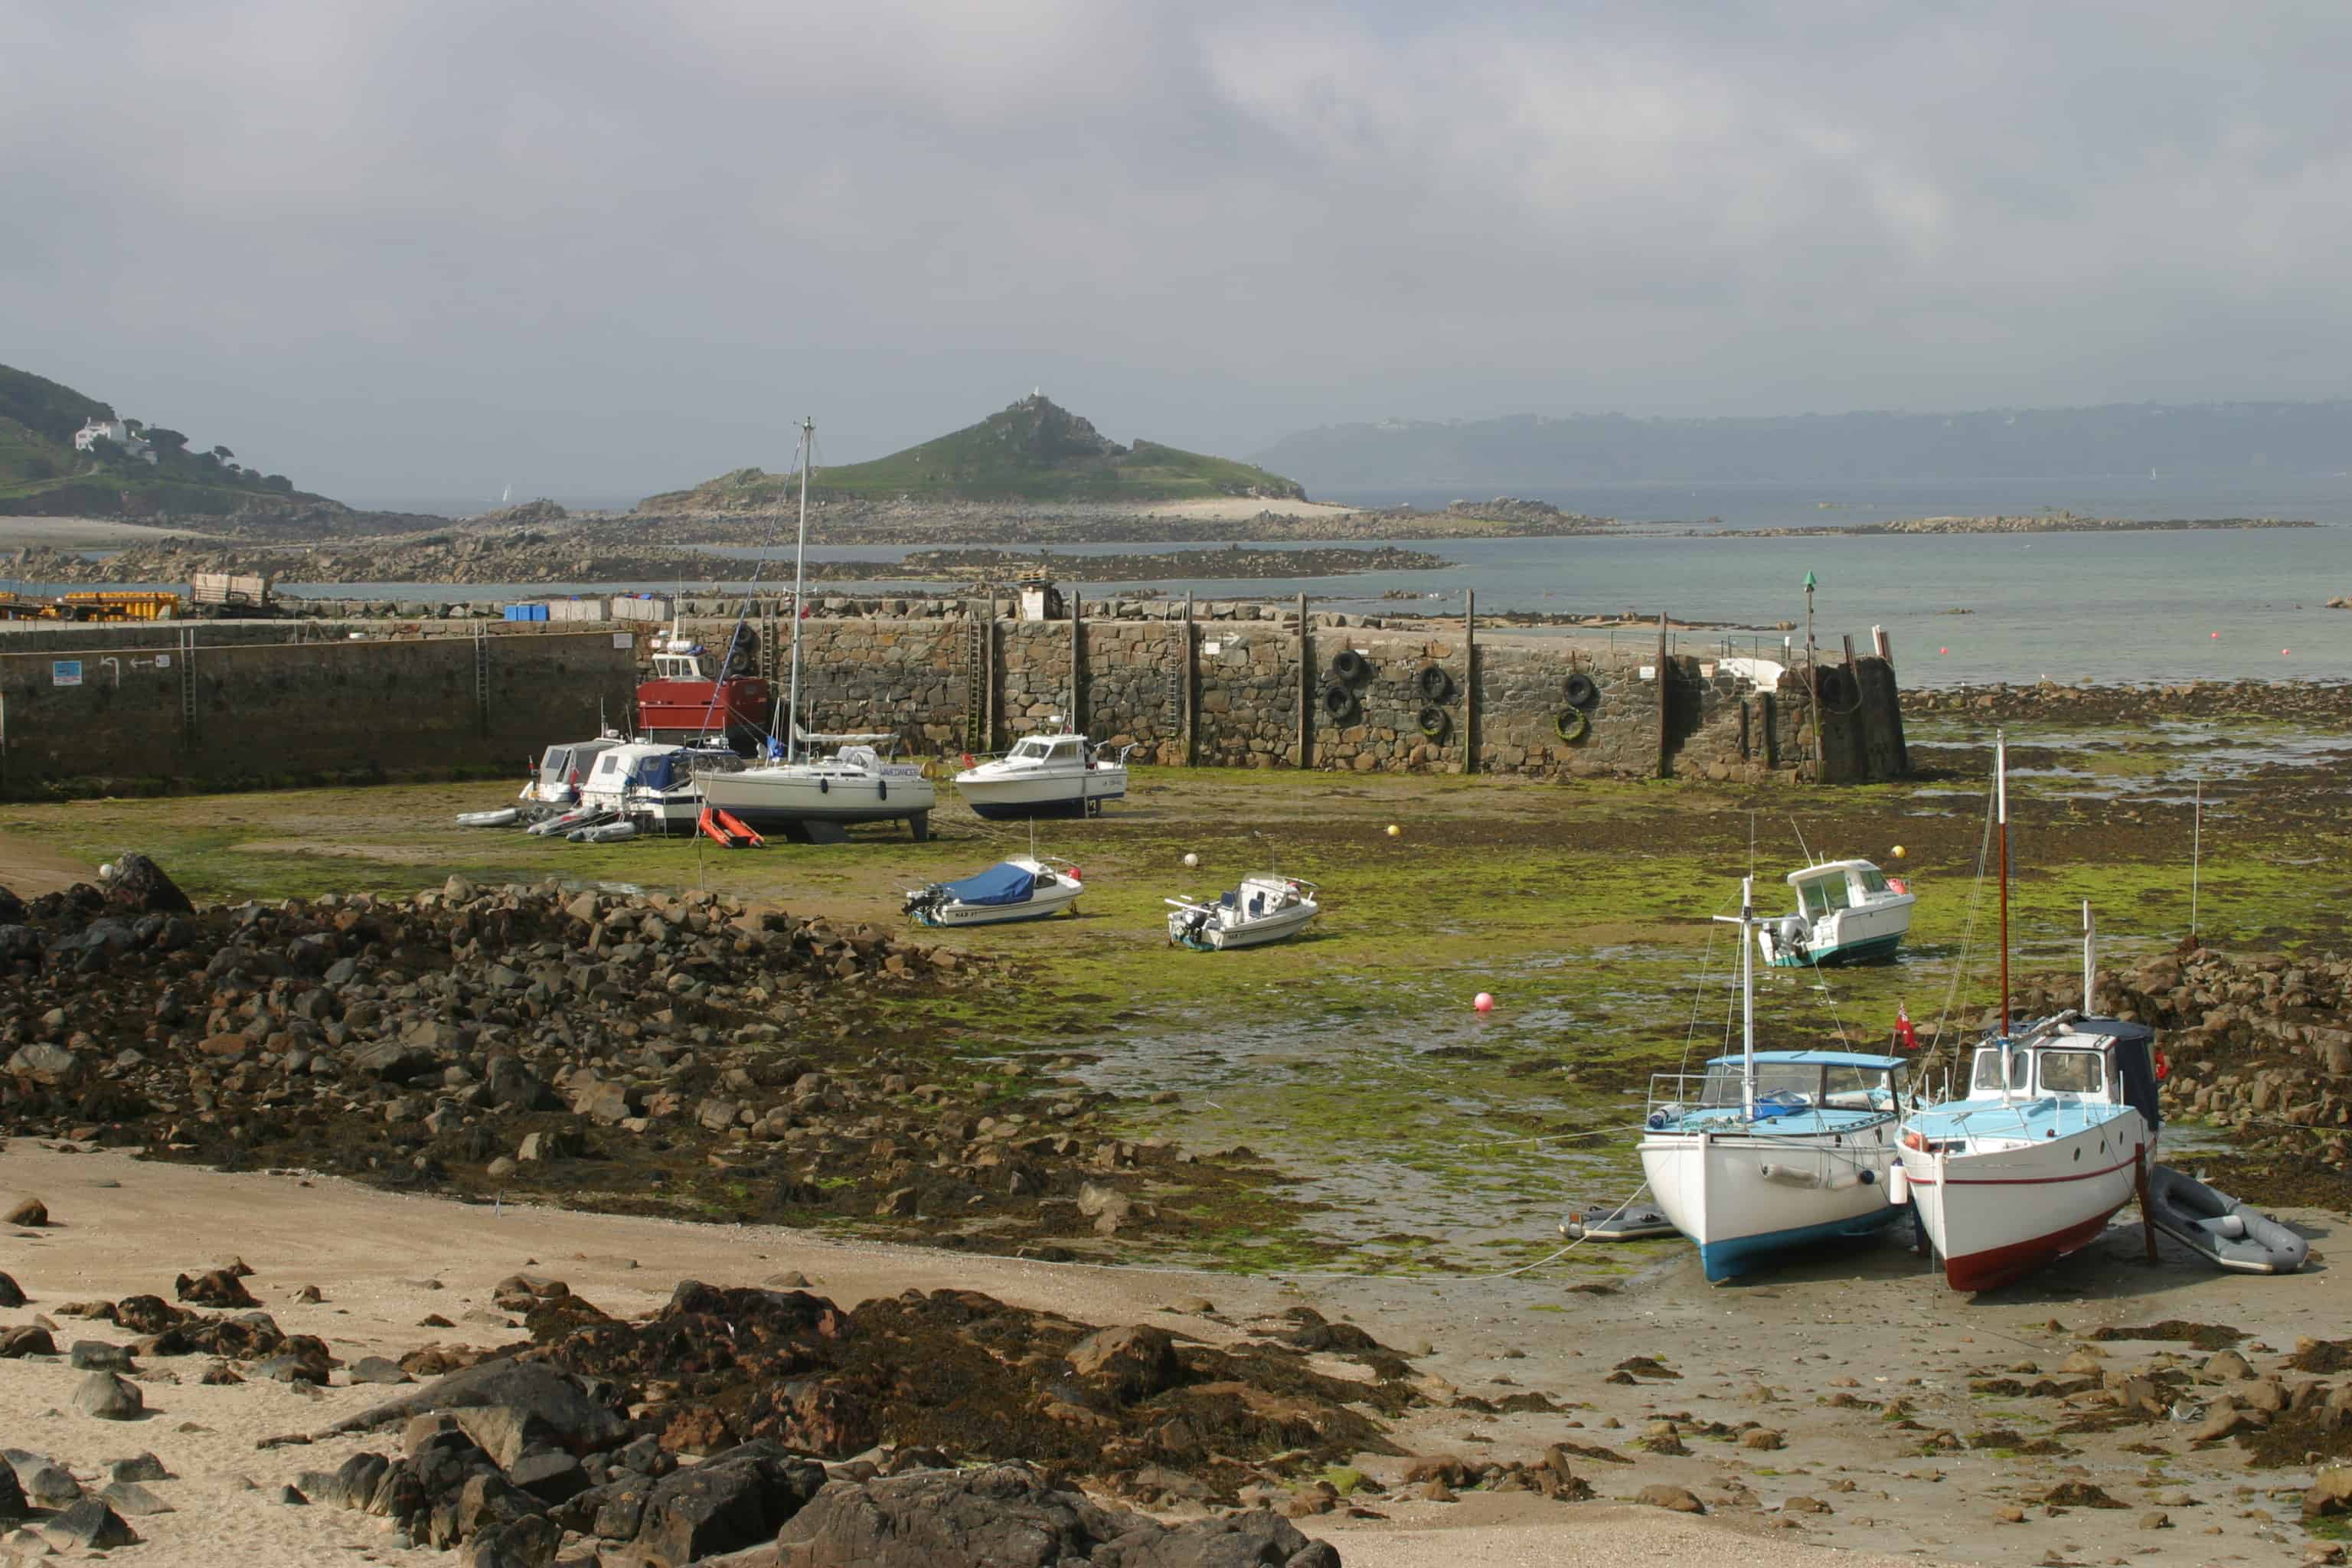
1305,690
1469,680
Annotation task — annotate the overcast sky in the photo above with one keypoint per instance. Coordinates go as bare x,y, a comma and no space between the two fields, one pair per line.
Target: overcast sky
426,250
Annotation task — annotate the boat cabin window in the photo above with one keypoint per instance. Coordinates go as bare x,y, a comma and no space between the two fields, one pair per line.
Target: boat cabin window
1874,880
1065,752
2072,1072
1030,749
1987,1073
1856,1087
1824,895
676,667
1798,1081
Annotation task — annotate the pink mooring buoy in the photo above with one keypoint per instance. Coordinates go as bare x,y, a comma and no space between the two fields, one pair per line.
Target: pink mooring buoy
1483,1002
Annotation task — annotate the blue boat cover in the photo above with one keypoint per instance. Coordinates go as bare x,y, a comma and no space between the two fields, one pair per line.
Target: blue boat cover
1003,883
660,771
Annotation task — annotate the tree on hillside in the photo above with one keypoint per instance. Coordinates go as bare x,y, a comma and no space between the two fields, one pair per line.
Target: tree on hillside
278,482
170,442
222,453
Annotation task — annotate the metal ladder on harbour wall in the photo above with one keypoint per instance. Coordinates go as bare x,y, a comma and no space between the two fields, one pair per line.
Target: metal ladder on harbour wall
975,685
188,685
482,679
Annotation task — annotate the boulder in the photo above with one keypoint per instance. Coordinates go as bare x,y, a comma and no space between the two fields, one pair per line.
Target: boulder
13,1501
135,882
214,1288
1680,1499
30,1339
138,1468
733,1499
11,1293
109,1397
573,1416
1128,1364
44,1482
89,1526
30,1213
1005,1516
130,1498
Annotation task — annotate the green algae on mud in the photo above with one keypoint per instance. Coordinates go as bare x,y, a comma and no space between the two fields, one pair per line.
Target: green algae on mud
1410,1135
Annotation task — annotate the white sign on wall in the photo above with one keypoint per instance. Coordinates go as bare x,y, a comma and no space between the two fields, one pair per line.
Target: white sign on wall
623,640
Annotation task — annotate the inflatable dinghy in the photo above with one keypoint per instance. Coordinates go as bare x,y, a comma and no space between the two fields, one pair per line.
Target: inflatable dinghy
2219,1226
564,822
1607,1221
604,833
505,817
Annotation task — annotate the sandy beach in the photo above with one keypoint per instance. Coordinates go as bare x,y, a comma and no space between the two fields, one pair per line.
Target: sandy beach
1783,1352
82,532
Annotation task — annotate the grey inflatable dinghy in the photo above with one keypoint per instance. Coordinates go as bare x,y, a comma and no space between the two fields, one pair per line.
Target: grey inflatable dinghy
562,823
604,833
1610,1222
2219,1226
503,818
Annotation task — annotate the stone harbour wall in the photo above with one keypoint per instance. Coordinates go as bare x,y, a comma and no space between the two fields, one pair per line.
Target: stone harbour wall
1229,694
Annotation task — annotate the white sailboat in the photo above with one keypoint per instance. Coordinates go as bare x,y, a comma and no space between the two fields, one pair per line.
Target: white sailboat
1848,911
1772,1151
814,800
2055,1132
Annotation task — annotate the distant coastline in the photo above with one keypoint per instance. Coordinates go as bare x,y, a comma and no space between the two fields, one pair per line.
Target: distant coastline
2049,523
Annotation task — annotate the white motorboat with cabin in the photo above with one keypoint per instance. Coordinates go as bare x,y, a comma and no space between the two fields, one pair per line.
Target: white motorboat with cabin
816,799
563,768
1046,775
2056,1131
1769,1152
655,784
1848,911
1264,909
1024,887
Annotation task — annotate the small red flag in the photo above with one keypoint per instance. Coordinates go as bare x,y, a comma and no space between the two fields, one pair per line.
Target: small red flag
1903,1029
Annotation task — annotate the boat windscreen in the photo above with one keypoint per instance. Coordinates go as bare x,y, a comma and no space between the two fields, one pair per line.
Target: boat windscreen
658,772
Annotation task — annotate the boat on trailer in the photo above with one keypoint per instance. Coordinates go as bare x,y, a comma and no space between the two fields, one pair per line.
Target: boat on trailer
1848,911
1046,775
1024,888
1767,1153
1267,908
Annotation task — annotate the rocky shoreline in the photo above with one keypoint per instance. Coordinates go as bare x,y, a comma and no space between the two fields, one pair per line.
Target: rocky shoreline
2036,522
531,557
2324,703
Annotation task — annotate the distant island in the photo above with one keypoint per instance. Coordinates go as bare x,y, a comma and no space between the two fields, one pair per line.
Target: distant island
66,454
1034,451
1531,451
2035,522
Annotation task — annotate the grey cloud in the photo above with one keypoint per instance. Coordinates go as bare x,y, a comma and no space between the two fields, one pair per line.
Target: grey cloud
428,248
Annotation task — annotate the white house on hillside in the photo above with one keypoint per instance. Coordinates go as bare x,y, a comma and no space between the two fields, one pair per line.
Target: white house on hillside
116,431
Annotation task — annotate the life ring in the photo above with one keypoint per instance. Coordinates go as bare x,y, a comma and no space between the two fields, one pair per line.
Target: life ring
1349,665
1829,685
1570,725
1338,702
1433,722
1582,690
1436,686
2163,1068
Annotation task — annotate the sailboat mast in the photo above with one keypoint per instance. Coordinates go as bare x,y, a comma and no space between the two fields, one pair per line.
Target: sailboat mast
800,585
2001,809
1748,997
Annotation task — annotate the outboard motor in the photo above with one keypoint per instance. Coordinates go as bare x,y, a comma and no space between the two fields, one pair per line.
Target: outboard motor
1793,933
923,901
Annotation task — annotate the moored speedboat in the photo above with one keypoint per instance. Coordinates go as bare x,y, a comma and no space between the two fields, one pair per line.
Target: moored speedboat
1848,911
1265,908
1046,775
653,784
1024,887
1772,1151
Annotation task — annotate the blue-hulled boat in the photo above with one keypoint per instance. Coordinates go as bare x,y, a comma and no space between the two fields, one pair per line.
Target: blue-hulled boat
1771,1151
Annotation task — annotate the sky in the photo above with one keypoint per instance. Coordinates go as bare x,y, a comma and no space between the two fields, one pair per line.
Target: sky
429,249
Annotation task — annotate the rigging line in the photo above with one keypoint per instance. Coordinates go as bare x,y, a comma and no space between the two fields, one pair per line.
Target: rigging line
1698,996
743,619
1967,937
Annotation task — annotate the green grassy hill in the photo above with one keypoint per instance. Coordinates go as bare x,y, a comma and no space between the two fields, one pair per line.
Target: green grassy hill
41,472
1034,450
